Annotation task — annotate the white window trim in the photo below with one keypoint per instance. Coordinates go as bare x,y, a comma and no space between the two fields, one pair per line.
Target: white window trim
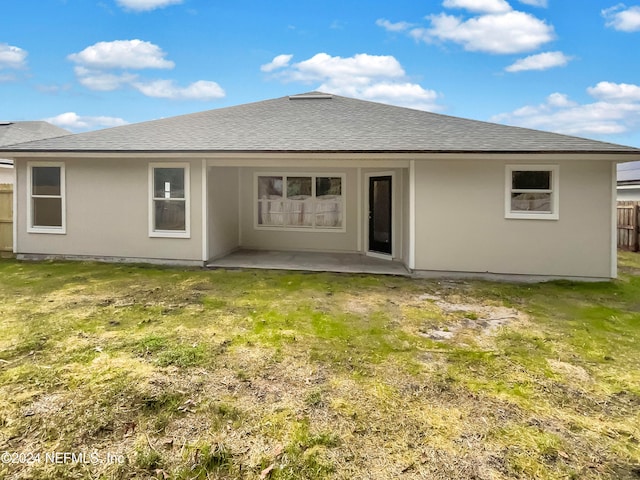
61,230
311,229
186,233
555,193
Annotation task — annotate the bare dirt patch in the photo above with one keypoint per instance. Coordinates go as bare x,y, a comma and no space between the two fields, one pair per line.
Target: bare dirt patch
571,372
46,405
465,315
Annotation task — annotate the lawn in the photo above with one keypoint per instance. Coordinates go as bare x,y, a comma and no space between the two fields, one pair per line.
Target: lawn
127,371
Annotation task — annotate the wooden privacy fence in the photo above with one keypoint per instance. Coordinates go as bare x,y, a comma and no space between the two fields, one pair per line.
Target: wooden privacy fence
629,225
6,221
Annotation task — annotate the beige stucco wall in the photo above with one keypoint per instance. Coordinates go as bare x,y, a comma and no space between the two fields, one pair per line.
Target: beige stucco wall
107,206
303,240
461,226
223,212
459,216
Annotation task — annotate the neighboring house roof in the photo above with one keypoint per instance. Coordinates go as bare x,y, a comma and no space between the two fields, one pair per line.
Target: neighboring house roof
19,132
318,122
629,173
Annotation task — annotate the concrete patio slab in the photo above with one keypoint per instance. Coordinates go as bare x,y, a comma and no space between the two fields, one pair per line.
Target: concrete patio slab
309,261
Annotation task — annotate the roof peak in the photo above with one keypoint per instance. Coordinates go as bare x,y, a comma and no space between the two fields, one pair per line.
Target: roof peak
311,96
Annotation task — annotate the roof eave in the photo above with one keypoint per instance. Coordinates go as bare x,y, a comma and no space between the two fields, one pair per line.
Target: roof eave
75,152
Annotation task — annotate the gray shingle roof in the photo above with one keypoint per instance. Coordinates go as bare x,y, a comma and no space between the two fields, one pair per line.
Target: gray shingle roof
19,132
318,122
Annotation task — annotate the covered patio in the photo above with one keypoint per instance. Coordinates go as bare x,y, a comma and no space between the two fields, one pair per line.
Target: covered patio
309,261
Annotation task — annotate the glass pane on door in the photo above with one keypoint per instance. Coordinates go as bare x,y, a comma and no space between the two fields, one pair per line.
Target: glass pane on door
380,214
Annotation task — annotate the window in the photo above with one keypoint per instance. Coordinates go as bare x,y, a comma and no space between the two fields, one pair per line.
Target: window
169,202
532,192
47,197
312,202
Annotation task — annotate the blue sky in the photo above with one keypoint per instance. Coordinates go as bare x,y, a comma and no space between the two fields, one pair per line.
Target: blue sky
558,65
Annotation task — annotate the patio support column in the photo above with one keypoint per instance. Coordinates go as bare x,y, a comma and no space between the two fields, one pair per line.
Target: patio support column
614,220
15,206
239,207
412,214
205,212
360,213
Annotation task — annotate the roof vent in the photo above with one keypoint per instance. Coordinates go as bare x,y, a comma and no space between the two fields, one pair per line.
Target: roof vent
311,96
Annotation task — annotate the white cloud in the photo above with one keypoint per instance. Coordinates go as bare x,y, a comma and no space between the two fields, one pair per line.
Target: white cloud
74,122
280,61
535,3
503,33
404,94
12,57
378,78
615,92
360,67
103,81
484,6
200,90
393,27
146,5
560,100
493,27
623,18
102,67
134,54
616,110
541,61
